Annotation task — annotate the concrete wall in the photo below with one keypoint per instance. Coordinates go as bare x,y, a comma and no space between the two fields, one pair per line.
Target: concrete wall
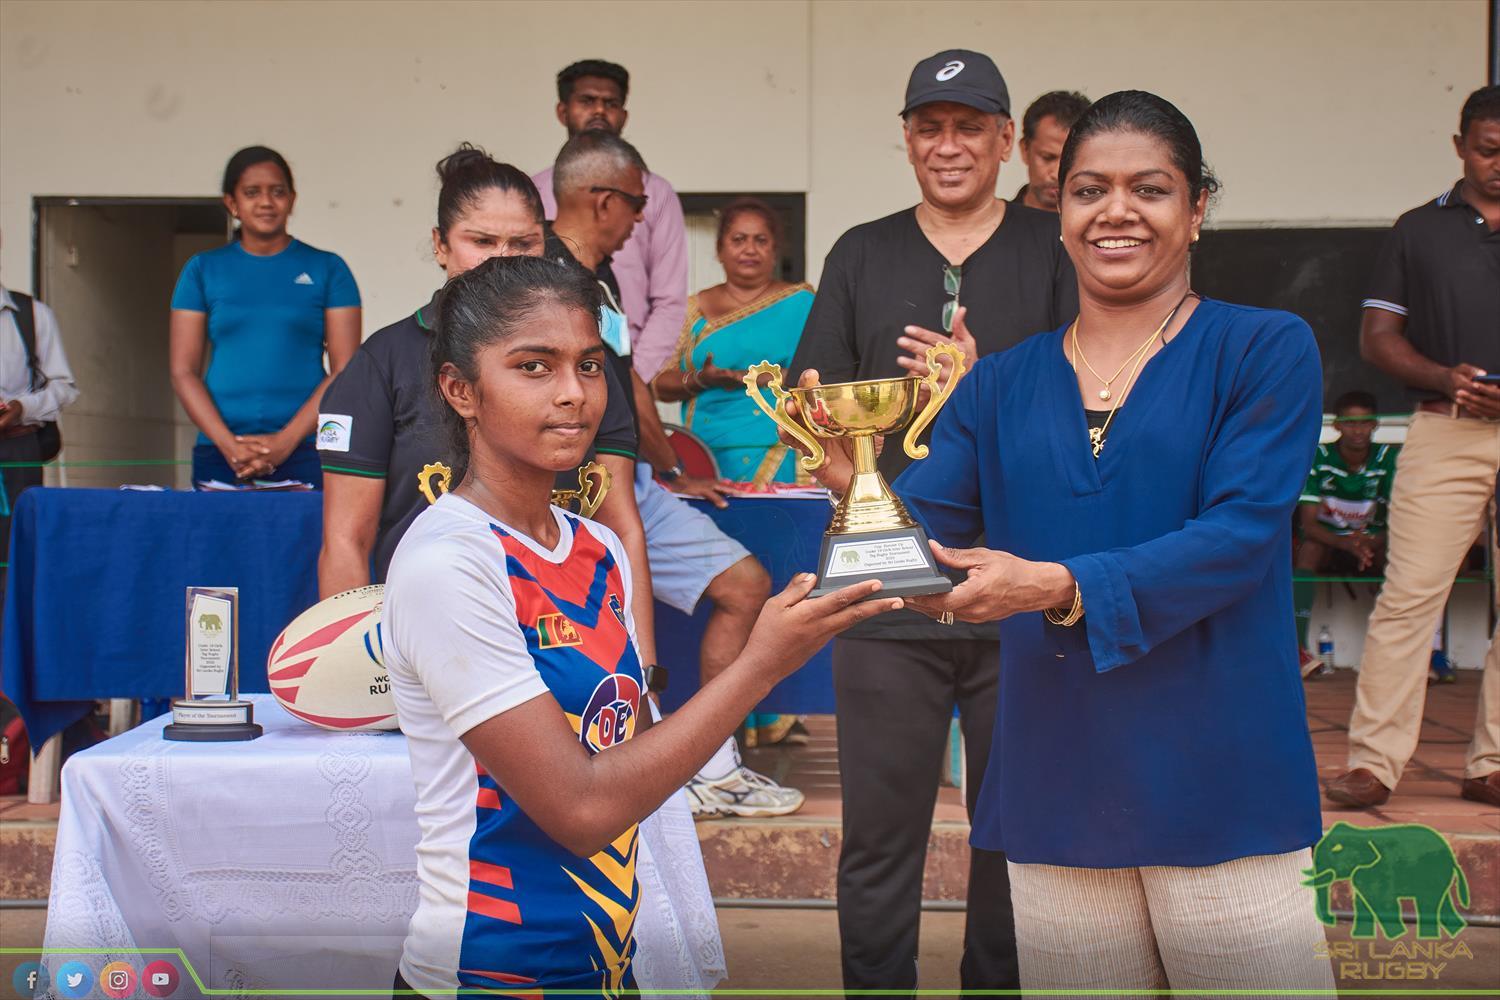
1312,112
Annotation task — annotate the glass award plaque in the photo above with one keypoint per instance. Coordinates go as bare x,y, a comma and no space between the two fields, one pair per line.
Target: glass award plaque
211,711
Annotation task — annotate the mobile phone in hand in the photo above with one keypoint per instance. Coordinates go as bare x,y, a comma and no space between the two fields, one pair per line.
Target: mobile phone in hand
1492,379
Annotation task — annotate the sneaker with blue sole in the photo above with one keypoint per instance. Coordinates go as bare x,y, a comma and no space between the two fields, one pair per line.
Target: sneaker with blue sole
742,793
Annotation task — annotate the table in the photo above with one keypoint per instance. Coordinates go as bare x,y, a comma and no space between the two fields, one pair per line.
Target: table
288,863
94,607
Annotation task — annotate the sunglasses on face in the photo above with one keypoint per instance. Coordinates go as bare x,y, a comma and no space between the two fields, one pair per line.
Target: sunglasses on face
637,202
953,278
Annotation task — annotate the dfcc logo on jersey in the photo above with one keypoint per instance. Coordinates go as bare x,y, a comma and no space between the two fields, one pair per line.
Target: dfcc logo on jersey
610,716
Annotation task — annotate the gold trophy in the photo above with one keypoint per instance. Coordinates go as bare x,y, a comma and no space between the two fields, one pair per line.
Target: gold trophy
872,535
594,482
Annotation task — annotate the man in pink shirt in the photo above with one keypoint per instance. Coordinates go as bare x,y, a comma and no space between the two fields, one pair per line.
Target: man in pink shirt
652,266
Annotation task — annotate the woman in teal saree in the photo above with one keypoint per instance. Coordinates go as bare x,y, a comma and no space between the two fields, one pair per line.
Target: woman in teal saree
751,317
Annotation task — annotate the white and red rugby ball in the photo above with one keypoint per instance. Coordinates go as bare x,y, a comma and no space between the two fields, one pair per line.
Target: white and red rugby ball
327,666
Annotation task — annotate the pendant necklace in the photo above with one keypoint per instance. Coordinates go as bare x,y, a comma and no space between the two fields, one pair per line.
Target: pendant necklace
1105,393
1096,434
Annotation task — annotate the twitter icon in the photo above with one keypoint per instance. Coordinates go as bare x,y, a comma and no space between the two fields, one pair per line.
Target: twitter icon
74,980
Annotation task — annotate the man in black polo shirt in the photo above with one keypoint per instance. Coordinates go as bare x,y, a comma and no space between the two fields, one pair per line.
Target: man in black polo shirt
1433,321
888,287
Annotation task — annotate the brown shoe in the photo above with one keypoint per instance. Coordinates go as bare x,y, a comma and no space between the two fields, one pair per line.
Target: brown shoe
1486,789
1359,789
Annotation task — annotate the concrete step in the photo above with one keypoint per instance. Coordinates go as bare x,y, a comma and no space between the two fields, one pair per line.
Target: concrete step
791,858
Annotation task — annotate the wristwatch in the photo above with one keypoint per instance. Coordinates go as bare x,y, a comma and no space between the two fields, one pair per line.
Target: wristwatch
670,475
656,678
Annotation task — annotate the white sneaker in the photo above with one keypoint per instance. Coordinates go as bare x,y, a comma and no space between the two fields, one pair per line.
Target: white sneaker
741,792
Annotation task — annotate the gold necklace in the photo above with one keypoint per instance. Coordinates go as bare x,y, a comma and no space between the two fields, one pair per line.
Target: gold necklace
1104,394
1097,434
729,291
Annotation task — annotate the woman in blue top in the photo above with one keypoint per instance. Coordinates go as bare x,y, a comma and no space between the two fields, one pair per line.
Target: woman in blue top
270,305
1152,780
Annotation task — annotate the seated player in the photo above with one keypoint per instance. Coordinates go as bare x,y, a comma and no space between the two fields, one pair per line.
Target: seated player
510,643
1341,516
1342,512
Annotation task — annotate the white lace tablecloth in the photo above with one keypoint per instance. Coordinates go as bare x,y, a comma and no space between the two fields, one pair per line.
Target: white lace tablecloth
289,862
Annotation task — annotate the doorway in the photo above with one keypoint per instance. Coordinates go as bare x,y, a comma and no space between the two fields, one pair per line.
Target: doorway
107,267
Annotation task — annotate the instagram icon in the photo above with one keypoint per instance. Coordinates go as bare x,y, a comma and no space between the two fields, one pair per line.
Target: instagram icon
117,979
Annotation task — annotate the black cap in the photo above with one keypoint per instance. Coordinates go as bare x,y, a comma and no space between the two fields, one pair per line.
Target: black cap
960,76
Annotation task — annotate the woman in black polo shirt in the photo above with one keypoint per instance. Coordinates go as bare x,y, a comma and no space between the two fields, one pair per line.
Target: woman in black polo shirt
378,429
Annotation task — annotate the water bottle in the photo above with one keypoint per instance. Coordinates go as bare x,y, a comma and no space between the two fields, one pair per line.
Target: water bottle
1325,650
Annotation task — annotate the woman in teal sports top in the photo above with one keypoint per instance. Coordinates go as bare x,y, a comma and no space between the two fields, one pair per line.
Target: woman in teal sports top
269,305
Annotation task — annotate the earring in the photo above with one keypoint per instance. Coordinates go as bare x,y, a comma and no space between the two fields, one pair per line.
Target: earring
1195,236
1059,237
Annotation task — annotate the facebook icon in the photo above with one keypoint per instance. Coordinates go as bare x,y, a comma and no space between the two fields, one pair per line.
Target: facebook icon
30,979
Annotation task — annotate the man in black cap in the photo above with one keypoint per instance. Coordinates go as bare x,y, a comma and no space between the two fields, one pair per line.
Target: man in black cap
965,267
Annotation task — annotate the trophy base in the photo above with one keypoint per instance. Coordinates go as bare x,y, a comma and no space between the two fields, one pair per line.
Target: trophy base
212,722
898,557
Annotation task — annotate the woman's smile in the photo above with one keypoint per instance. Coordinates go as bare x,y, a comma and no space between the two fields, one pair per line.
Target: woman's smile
1119,248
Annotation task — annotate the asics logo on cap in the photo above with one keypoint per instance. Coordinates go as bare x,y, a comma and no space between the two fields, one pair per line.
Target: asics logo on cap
951,70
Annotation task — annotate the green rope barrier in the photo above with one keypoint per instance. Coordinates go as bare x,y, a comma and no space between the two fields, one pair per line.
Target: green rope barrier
102,463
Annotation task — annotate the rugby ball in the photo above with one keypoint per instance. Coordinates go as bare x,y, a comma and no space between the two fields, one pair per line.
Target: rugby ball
327,667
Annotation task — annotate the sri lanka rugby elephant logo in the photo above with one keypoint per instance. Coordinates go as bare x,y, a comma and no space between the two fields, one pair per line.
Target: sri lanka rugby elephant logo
1385,865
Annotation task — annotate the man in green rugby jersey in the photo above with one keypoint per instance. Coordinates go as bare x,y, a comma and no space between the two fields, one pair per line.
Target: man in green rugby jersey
1342,512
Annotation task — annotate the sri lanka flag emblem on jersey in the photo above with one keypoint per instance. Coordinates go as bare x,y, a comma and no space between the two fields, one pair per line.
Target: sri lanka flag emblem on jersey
555,631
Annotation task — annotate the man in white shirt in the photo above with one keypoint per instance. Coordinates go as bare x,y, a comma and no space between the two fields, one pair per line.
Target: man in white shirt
652,266
34,389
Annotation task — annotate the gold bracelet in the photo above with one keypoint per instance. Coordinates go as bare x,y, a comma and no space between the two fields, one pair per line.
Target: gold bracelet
1072,615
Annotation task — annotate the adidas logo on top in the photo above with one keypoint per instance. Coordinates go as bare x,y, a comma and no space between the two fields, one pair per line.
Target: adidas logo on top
302,279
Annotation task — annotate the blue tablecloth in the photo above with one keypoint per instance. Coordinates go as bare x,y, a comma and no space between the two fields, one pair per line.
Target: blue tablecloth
95,599
94,605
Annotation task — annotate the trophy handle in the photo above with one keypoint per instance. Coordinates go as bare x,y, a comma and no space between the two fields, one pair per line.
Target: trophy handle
935,397
444,480
815,457
596,475
594,482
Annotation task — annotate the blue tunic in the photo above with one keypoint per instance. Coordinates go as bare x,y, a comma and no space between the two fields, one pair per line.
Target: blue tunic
1169,727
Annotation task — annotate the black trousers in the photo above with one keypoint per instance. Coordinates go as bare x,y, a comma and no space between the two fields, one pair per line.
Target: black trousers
25,448
895,700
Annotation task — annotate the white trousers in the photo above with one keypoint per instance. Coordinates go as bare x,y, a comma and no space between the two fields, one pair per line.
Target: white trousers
1243,924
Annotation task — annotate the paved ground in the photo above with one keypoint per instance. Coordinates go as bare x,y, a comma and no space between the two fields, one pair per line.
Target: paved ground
785,949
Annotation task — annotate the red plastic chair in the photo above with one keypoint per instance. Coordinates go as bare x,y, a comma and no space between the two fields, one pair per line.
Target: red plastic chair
695,457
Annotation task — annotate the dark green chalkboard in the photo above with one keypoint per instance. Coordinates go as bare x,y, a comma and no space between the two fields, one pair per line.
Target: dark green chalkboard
1319,274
